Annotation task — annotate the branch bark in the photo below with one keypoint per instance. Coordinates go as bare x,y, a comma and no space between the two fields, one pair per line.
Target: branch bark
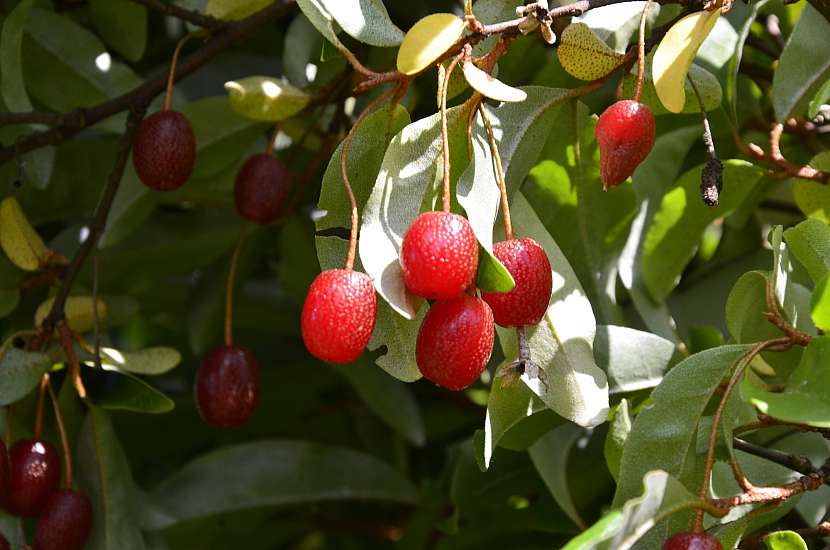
198,19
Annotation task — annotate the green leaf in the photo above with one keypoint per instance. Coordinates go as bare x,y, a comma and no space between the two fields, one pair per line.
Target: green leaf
682,217
741,18
784,540
809,242
123,24
115,390
804,66
272,473
618,433
234,10
364,20
805,399
820,304
707,84
9,299
265,98
322,20
812,197
152,361
822,96
584,55
20,373
104,474
492,276
619,351
12,85
428,40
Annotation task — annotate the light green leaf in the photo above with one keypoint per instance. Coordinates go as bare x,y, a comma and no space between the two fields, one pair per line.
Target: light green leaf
492,276
550,457
20,373
364,20
152,361
12,84
617,435
804,66
584,55
427,40
116,390
707,84
784,540
275,472
265,98
234,10
619,351
123,24
320,17
809,242
489,86
820,304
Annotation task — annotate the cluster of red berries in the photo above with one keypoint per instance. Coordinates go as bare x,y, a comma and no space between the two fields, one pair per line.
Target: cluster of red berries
625,135
29,478
692,541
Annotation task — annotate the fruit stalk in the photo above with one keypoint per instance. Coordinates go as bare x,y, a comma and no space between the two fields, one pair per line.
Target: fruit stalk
44,381
641,52
171,75
67,452
229,287
272,140
499,173
445,143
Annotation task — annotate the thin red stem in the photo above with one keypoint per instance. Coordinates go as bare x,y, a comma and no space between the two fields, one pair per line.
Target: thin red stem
445,144
67,451
499,172
171,76
641,52
229,287
40,399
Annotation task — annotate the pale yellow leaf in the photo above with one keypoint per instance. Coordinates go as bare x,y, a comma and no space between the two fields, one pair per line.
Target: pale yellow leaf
264,98
674,56
492,87
428,40
18,238
78,312
583,55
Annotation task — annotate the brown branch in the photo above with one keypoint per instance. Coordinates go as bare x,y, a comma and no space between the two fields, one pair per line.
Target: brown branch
32,117
795,463
769,494
786,168
194,17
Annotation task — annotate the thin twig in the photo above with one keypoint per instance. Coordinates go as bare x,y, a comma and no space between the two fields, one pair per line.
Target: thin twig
31,117
445,140
194,17
798,464
641,52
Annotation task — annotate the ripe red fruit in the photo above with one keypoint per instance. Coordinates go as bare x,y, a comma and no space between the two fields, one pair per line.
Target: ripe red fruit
625,134
692,541
64,522
339,315
164,150
34,475
455,341
227,386
527,302
261,189
439,255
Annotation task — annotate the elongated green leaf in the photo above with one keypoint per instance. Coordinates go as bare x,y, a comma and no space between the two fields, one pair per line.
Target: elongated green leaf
265,98
550,457
820,304
275,472
120,391
151,361
619,351
123,24
364,20
617,435
104,475
707,85
234,10
804,66
741,18
809,242
20,373
12,85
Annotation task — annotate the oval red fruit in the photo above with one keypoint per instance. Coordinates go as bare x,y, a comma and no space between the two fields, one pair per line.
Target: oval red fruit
527,302
164,150
227,386
261,189
64,523
439,255
625,135
34,468
339,315
455,341
692,541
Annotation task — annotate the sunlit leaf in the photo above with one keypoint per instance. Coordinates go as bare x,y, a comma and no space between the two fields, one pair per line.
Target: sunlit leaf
428,40
233,10
492,87
265,98
583,55
77,310
18,238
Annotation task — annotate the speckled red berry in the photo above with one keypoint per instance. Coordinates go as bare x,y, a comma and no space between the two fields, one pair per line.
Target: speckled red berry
439,255
34,468
227,386
692,541
527,302
164,150
64,523
455,341
625,135
261,189
339,315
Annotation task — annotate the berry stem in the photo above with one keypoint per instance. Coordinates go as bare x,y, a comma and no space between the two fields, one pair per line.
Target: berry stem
272,140
40,398
445,141
641,52
499,173
74,364
707,131
344,175
230,286
171,76
67,453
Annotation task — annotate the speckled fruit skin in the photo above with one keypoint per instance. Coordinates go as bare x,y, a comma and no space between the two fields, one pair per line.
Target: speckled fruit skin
455,341
4,477
164,150
692,541
227,386
34,467
64,523
439,255
339,315
625,134
261,189
527,302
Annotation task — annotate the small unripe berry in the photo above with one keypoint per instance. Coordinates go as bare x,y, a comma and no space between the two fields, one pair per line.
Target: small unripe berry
227,386
625,135
64,523
261,189
439,255
455,341
164,150
34,475
692,541
527,302
339,315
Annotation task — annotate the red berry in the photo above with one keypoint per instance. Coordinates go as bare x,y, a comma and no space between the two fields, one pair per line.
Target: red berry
164,150
527,302
4,476
339,315
227,386
4,544
692,541
455,341
625,134
64,522
34,475
439,255
261,189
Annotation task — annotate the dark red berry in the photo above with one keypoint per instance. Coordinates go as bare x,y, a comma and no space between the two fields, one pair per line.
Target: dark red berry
4,476
439,255
625,135
164,150
227,386
527,302
339,315
4,544
34,468
455,341
261,189
692,541
64,522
